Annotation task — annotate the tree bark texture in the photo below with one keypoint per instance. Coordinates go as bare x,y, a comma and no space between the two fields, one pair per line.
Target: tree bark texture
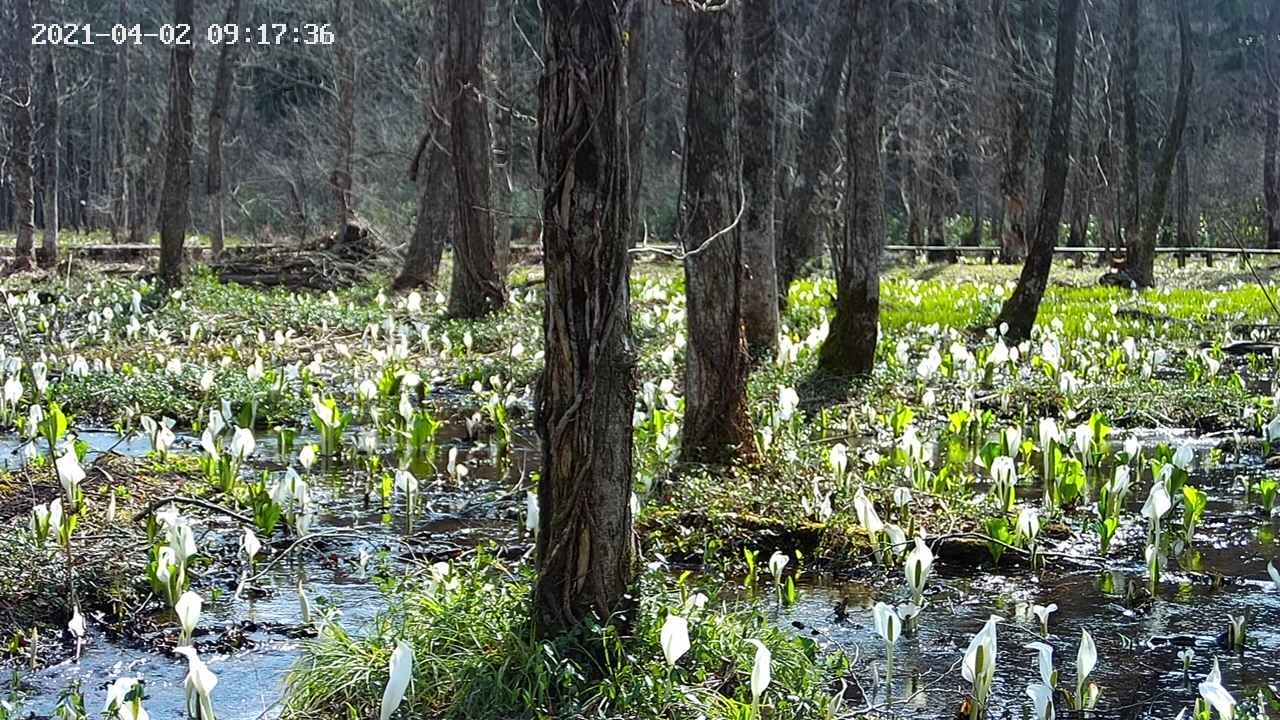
126,217
477,288
717,426
1016,116
850,347
585,549
798,243
1020,310
637,113
175,203
20,146
1140,261
50,148
505,141
217,117
759,175
431,163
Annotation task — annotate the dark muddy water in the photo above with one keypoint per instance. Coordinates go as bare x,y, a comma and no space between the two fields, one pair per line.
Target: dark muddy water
250,643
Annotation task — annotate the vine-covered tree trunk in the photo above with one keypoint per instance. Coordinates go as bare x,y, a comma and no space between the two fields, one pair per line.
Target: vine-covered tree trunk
759,175
798,242
175,202
431,162
850,347
637,113
477,288
1020,310
585,548
717,425
217,114
1016,117
341,178
50,148
1140,261
20,145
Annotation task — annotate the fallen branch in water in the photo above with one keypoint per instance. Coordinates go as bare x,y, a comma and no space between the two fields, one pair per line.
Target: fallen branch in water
197,502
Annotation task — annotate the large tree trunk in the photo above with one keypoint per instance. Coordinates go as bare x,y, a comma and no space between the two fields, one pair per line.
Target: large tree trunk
850,347
505,142
175,203
798,242
1140,261
20,146
1020,310
717,425
345,119
637,107
477,288
217,114
585,548
431,164
50,147
759,175
1016,116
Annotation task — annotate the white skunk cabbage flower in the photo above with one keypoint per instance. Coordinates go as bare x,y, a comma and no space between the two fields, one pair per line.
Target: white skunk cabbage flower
188,610
401,673
199,685
531,515
1086,661
1043,612
1045,661
777,563
674,638
1042,698
118,700
1216,695
761,669
918,564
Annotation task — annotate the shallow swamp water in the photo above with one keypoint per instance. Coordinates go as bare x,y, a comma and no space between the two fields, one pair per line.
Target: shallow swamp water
250,642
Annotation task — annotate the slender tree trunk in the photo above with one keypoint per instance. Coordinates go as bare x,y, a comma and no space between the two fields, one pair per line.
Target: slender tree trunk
717,425
345,119
20,146
1183,203
431,164
175,203
1020,310
638,107
759,175
50,147
124,196
1016,116
477,288
850,347
585,549
799,240
217,114
1270,167
1270,87
1140,261
504,147
1131,188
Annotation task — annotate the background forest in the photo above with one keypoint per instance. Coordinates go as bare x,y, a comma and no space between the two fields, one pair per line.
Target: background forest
965,102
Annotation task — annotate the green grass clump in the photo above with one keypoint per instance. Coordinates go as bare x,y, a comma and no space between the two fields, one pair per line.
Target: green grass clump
475,656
